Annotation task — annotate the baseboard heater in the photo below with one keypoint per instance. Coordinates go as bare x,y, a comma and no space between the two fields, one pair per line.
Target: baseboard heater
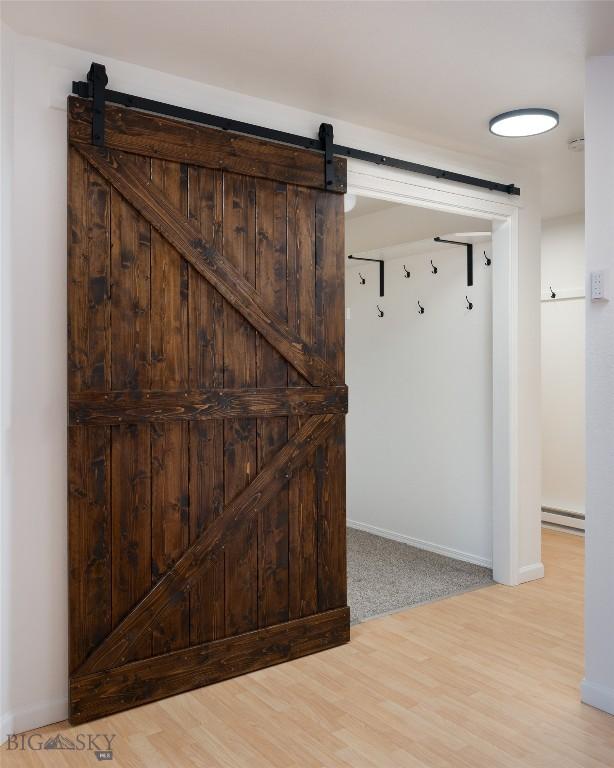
563,517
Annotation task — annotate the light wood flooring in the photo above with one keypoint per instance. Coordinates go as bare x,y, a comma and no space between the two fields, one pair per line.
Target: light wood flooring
486,679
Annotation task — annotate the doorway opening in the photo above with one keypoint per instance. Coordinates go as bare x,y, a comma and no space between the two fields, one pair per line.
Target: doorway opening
419,367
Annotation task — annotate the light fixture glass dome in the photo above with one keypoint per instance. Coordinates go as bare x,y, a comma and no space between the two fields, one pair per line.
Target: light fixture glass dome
524,122
349,203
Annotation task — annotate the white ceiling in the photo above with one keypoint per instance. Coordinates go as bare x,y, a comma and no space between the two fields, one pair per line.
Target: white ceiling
435,71
365,205
383,227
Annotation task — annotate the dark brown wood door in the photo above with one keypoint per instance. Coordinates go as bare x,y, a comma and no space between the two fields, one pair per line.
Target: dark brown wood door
206,408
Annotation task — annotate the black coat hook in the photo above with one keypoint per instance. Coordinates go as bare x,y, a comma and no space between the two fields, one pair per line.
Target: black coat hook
420,308
407,272
362,279
552,293
487,260
469,303
434,268
379,311
381,271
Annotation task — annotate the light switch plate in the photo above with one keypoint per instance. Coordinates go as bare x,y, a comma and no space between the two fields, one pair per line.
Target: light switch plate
599,285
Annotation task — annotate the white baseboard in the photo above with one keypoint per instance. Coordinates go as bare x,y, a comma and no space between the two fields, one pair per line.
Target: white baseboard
530,572
456,554
598,696
6,727
35,717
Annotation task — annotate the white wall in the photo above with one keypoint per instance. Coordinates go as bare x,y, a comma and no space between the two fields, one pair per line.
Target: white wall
34,614
34,583
6,165
563,391
419,428
598,685
563,264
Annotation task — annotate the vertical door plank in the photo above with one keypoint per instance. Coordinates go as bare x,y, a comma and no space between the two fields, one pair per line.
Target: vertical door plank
131,504
78,272
330,458
303,523
130,369
169,442
206,337
169,289
240,451
272,371
88,269
206,370
338,437
89,528
338,305
130,294
89,509
170,526
98,206
206,503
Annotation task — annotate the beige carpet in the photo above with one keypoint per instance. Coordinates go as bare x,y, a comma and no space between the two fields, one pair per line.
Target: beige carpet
386,576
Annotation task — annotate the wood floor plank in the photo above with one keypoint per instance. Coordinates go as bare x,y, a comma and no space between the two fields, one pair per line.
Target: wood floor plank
486,679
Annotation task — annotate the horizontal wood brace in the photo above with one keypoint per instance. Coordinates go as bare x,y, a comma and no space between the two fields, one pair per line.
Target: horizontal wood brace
166,138
119,407
140,682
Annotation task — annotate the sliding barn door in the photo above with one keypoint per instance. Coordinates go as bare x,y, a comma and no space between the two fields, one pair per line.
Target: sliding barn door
206,408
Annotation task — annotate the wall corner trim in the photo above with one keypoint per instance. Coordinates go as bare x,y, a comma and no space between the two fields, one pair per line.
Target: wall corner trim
530,572
597,695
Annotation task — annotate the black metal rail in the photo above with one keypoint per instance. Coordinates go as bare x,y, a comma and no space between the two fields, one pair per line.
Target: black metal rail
93,89
381,270
469,247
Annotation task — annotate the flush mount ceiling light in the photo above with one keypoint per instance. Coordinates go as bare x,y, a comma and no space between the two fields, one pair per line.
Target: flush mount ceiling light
524,122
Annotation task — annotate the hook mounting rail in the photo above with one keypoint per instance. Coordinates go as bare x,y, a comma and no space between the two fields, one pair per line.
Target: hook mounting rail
381,270
469,247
